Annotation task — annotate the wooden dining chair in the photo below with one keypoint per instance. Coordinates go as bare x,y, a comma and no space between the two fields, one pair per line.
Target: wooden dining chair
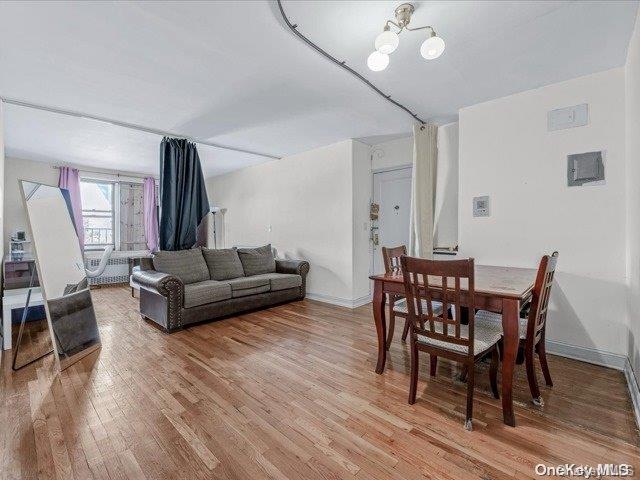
397,303
442,334
532,328
391,257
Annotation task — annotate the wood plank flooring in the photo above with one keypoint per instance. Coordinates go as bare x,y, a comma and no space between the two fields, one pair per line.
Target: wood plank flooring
288,393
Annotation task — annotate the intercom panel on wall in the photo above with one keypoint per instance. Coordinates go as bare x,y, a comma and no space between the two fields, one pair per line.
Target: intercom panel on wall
584,168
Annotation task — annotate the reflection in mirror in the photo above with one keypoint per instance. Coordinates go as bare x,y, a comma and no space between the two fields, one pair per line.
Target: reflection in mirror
65,289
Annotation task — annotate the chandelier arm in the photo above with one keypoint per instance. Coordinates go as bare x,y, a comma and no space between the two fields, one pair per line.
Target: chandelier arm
420,28
343,64
395,25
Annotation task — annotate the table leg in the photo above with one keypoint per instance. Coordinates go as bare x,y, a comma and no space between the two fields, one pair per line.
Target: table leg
510,313
6,326
381,327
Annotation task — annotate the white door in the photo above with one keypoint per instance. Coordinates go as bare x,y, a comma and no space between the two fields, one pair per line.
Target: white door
392,191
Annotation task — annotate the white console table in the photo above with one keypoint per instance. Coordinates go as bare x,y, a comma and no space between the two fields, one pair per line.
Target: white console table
14,299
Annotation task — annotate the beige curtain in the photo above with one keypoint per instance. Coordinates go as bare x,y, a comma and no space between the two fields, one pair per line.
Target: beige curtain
423,189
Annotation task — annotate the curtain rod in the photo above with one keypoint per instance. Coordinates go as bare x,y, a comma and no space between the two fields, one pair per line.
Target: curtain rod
116,174
132,126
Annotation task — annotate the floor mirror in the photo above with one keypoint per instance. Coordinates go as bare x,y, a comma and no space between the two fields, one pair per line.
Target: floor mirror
63,280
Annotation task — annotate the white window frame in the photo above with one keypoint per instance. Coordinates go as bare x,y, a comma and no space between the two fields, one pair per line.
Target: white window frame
115,179
115,214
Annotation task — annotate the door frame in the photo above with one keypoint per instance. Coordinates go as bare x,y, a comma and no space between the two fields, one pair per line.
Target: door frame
373,173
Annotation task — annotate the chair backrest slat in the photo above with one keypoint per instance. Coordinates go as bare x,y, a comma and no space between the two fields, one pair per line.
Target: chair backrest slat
540,298
426,281
391,257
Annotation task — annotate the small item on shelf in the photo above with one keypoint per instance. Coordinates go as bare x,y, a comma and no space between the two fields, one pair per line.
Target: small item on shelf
17,243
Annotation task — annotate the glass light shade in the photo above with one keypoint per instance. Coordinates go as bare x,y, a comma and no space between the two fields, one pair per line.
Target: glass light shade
432,47
378,61
387,42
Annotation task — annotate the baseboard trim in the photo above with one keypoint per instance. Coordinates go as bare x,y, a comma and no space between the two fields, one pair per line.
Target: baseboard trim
585,354
339,301
634,391
605,359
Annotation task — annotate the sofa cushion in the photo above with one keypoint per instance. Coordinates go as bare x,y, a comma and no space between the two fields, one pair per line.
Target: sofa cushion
209,291
281,281
188,265
250,291
257,260
241,287
223,264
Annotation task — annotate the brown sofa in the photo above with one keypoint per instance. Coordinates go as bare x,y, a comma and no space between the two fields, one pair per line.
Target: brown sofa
190,286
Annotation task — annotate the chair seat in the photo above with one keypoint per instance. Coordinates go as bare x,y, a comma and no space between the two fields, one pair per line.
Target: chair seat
485,337
401,307
486,319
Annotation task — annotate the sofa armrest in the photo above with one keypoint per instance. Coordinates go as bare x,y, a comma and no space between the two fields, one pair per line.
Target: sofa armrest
297,267
161,297
164,283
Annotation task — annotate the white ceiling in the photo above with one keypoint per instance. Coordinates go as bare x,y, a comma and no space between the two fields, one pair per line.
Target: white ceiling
231,73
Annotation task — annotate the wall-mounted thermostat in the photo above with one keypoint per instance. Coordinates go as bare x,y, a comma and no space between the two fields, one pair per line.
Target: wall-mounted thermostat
481,206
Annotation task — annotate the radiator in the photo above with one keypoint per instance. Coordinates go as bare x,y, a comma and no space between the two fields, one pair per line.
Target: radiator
117,271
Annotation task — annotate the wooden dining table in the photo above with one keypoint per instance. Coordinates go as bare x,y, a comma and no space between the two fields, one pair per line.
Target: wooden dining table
497,289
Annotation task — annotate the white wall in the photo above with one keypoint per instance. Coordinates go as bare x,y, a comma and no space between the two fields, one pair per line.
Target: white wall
392,154
399,153
362,247
446,207
632,94
303,206
507,153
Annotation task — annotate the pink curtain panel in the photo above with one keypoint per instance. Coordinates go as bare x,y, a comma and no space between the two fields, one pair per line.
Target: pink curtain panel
70,180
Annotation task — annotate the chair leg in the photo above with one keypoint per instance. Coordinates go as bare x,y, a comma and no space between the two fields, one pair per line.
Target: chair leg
413,385
463,373
468,424
542,355
405,332
493,372
433,365
531,376
520,355
392,325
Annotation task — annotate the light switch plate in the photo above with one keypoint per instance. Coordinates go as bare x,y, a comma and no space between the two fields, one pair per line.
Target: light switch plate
481,206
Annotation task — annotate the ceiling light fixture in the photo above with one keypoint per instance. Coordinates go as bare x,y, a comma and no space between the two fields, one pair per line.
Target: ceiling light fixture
342,64
378,61
388,40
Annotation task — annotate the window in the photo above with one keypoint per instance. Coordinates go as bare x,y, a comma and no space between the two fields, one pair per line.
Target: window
131,213
98,213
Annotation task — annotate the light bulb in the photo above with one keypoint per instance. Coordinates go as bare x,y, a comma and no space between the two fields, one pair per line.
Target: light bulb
387,42
432,47
378,61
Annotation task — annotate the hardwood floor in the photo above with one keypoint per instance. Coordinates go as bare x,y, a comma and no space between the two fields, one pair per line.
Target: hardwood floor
289,392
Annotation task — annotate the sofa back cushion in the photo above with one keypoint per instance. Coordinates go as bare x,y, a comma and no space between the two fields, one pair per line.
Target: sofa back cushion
223,264
188,265
256,261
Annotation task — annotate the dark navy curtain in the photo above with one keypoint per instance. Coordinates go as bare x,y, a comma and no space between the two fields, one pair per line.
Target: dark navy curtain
183,196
